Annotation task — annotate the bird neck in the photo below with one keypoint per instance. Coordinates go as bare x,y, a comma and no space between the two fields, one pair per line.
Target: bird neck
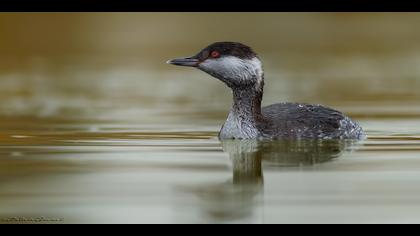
247,102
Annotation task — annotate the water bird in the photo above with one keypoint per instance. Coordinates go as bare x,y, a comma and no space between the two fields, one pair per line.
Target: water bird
240,68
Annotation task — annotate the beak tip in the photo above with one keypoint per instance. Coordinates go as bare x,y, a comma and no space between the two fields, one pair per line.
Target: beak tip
191,62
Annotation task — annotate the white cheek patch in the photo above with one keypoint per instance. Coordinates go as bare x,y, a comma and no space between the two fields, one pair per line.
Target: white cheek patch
259,71
231,67
256,64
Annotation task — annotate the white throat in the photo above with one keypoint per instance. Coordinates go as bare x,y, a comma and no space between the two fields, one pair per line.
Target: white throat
235,70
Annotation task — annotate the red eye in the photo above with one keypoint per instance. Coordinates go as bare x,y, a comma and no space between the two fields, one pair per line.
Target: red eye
215,54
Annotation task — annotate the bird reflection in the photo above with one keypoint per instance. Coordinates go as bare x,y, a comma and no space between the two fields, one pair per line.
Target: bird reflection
241,196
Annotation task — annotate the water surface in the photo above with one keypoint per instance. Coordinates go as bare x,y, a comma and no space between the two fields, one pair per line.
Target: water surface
112,172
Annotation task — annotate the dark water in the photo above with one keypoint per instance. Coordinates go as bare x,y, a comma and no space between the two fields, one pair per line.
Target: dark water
95,128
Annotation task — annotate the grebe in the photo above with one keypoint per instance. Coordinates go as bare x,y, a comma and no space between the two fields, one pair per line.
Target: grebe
239,67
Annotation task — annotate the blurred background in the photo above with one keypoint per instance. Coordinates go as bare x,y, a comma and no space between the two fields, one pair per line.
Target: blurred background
112,65
96,127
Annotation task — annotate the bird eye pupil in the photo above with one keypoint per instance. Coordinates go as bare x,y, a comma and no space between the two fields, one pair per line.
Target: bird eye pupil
215,54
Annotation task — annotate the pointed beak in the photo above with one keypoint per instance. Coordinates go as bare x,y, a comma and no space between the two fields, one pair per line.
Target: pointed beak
187,61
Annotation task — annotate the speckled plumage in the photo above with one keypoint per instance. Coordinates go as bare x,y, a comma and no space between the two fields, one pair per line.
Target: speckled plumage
247,120
238,66
293,120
